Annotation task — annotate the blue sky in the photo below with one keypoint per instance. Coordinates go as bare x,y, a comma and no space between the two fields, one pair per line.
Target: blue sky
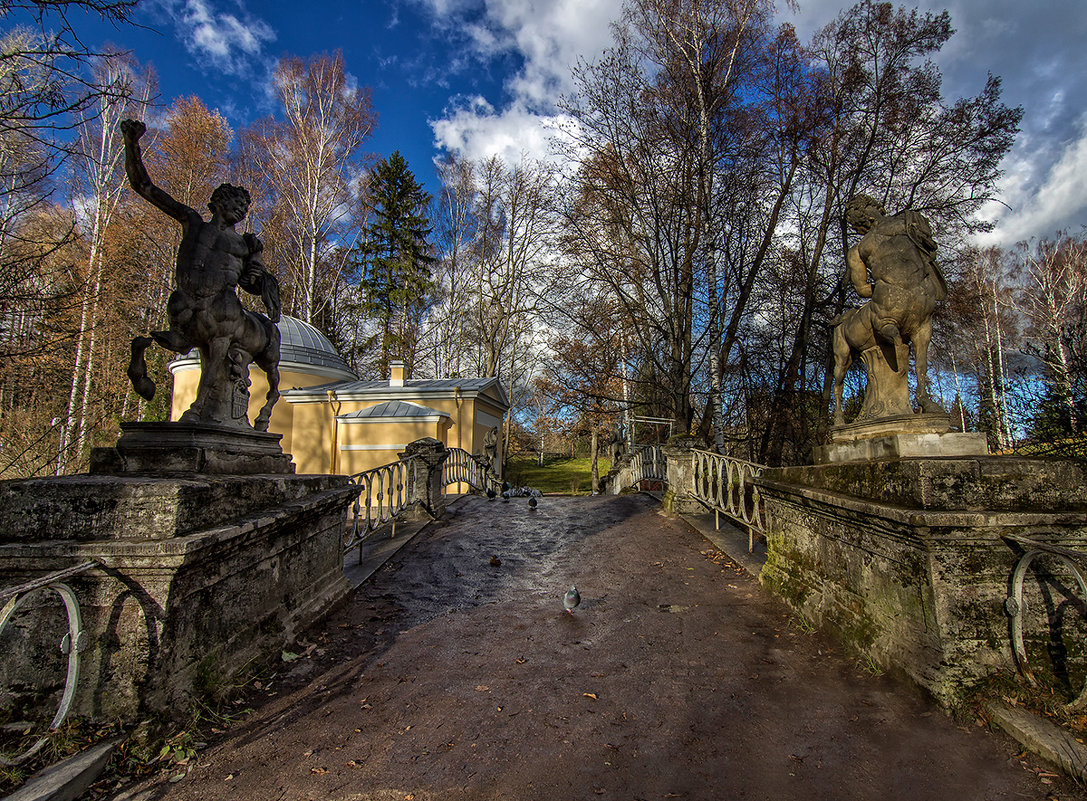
482,76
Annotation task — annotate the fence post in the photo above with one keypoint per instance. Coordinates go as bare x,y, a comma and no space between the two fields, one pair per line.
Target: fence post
425,482
679,454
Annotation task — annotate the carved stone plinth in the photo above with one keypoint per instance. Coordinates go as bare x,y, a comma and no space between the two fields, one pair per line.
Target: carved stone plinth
888,392
172,448
900,437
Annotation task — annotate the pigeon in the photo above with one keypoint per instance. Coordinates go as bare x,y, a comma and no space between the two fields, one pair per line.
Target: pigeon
505,497
571,600
491,493
532,502
496,562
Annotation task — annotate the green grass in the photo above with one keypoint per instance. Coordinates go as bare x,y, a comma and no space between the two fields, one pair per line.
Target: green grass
566,476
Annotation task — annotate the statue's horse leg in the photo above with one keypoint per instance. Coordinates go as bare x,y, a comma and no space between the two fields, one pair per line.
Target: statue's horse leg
843,358
268,361
137,369
921,338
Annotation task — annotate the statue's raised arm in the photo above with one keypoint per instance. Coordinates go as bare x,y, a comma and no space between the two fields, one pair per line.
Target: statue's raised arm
140,180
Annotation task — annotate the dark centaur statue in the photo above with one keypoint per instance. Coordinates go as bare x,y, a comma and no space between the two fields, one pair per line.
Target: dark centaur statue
204,311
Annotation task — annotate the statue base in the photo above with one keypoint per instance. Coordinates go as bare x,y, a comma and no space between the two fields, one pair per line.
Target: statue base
171,448
904,436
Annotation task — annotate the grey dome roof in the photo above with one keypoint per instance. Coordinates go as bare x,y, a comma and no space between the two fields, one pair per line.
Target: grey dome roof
302,343
301,346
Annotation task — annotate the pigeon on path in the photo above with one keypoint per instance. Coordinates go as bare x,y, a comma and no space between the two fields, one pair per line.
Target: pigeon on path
571,600
505,496
491,493
532,502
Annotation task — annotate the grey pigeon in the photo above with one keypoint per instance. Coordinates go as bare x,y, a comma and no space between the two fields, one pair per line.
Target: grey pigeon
571,600
491,493
505,497
532,502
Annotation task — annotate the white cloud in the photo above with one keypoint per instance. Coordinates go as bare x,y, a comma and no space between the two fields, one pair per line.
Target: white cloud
477,131
548,38
1042,205
223,41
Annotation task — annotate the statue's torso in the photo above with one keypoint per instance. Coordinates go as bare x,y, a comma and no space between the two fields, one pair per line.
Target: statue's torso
210,260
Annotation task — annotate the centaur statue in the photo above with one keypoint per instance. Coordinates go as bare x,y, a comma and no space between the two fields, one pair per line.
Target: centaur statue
204,311
899,254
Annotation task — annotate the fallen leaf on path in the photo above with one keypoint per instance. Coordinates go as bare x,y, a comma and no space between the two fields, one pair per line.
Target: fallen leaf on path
590,695
318,770
482,688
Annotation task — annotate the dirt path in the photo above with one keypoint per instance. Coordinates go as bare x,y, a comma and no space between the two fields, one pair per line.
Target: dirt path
448,678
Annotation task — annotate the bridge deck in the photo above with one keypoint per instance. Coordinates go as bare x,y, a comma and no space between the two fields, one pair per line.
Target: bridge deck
447,677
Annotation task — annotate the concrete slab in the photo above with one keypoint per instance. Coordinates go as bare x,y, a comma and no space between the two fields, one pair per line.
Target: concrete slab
1043,738
66,780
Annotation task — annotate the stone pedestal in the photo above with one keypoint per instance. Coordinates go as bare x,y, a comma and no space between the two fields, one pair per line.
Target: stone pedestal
900,436
198,579
907,561
888,392
171,448
678,499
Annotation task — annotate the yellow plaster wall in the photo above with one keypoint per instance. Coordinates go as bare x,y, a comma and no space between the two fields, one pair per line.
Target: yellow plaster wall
394,433
309,429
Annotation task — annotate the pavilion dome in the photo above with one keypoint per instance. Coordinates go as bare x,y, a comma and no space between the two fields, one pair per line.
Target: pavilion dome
302,349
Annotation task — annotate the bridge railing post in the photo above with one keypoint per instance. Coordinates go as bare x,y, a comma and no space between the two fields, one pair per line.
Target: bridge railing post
679,497
425,488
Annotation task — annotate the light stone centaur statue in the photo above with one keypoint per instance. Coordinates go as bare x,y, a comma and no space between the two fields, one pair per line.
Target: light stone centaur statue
893,264
204,311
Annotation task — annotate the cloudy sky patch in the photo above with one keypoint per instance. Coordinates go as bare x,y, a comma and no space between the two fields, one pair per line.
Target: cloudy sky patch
221,40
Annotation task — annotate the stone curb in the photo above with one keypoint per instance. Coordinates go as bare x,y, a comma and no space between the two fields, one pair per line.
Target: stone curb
1043,738
66,780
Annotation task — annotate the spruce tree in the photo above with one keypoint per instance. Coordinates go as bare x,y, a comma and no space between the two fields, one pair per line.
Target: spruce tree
394,258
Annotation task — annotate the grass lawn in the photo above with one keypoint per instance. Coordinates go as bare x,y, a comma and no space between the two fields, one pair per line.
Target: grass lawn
566,476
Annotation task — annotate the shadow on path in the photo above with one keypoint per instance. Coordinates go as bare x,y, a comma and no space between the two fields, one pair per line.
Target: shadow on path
447,677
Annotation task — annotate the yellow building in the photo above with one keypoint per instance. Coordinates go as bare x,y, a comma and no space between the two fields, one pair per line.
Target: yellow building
333,422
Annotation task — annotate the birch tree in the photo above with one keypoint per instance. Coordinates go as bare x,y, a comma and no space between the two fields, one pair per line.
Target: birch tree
311,161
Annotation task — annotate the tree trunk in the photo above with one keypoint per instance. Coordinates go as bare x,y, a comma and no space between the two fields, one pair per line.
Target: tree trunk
595,468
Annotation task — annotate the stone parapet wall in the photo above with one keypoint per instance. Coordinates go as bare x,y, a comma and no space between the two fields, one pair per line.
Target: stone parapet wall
920,591
173,616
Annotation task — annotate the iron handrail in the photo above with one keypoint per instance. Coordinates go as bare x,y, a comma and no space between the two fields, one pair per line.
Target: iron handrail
71,644
461,467
383,494
727,485
1015,607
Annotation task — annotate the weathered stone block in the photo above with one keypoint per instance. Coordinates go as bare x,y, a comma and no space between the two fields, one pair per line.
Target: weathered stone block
178,603
898,558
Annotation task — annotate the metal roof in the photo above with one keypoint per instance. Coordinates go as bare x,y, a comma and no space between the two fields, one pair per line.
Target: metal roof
300,343
387,409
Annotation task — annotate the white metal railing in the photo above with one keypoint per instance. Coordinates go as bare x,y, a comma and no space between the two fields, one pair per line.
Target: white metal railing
1015,606
460,467
727,486
645,464
71,643
648,464
383,493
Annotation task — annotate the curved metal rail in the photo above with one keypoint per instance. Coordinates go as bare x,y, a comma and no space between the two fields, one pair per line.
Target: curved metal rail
461,467
727,486
71,644
1015,606
383,493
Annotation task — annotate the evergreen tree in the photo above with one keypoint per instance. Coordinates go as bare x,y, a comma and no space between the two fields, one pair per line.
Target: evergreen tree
394,258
